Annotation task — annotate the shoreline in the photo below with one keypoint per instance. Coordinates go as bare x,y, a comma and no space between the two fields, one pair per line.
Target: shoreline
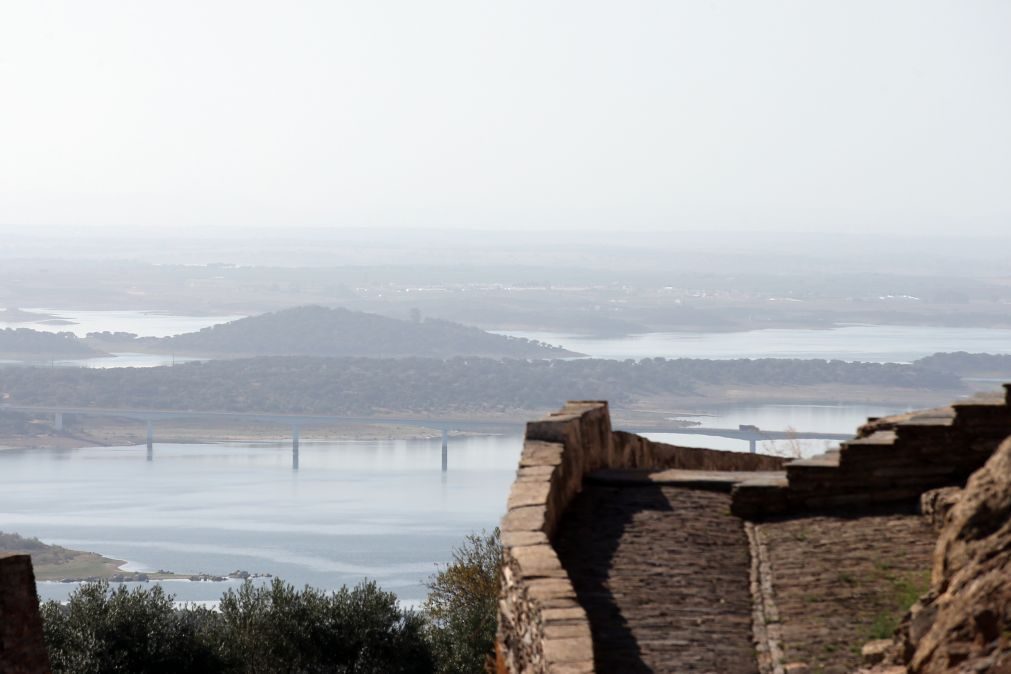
643,411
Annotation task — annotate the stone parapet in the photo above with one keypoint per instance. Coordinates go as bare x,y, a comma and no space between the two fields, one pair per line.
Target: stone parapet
22,647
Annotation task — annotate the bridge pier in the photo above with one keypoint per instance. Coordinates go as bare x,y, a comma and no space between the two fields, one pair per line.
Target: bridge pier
58,421
753,446
150,440
294,447
445,450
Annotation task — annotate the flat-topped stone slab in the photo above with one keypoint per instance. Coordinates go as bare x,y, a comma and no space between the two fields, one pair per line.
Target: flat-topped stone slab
826,460
716,480
933,420
878,438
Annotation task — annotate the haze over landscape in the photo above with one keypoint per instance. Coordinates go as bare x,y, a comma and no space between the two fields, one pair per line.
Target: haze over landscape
280,285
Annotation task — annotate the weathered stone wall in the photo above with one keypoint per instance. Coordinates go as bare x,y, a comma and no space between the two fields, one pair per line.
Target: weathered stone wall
542,627
22,648
635,451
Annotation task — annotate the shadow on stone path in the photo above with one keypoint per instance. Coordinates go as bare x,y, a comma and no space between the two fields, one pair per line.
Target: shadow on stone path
663,575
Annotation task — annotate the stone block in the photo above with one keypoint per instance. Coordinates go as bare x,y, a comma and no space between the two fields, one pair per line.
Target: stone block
529,494
527,518
541,454
543,590
514,538
22,648
538,561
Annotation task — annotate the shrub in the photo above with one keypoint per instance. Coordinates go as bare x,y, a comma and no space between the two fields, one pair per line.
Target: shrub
462,606
276,628
102,630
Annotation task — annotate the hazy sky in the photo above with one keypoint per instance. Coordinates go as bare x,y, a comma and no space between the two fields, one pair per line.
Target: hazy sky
821,115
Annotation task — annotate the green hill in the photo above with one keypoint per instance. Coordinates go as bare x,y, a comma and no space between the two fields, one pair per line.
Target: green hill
26,343
321,331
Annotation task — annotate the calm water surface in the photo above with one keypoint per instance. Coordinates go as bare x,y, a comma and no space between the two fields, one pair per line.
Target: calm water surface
141,323
869,343
377,509
382,510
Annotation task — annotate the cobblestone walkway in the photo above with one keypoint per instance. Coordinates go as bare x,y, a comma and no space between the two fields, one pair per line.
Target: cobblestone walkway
839,582
663,575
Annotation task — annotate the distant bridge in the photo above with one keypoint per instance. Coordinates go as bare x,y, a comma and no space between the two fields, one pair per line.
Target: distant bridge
752,434
295,421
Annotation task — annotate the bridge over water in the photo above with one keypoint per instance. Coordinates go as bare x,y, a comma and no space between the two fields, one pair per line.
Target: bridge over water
748,433
752,434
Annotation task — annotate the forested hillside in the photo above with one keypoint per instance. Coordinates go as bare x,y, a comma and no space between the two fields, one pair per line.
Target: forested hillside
25,342
969,364
321,331
369,386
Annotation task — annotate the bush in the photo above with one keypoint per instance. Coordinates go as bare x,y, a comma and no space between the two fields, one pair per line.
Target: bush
104,631
276,628
359,631
462,606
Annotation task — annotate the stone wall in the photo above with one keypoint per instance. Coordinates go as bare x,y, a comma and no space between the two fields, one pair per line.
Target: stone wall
542,627
22,648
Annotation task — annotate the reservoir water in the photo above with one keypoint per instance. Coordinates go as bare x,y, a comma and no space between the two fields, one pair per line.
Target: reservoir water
376,509
141,323
382,510
869,343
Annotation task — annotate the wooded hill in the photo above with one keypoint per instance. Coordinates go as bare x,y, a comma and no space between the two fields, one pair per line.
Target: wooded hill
322,331
23,342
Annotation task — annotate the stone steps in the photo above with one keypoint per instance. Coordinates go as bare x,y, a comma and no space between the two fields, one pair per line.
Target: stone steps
893,459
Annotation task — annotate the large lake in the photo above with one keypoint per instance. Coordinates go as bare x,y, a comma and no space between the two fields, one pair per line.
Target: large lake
870,343
382,510
141,323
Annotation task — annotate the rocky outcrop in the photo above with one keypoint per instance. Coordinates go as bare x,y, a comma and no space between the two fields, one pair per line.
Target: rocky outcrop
936,505
22,648
964,623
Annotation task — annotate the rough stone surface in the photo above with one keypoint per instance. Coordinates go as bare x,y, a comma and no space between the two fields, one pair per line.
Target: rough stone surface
542,626
838,580
663,575
964,623
22,649
936,505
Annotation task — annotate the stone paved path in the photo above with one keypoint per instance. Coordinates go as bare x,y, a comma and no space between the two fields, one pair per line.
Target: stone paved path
839,582
663,574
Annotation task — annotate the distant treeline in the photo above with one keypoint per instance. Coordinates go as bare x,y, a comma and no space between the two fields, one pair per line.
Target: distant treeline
969,364
34,342
368,386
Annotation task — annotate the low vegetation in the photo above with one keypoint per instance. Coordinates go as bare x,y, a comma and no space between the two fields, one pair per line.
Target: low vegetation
26,343
277,628
969,364
373,386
